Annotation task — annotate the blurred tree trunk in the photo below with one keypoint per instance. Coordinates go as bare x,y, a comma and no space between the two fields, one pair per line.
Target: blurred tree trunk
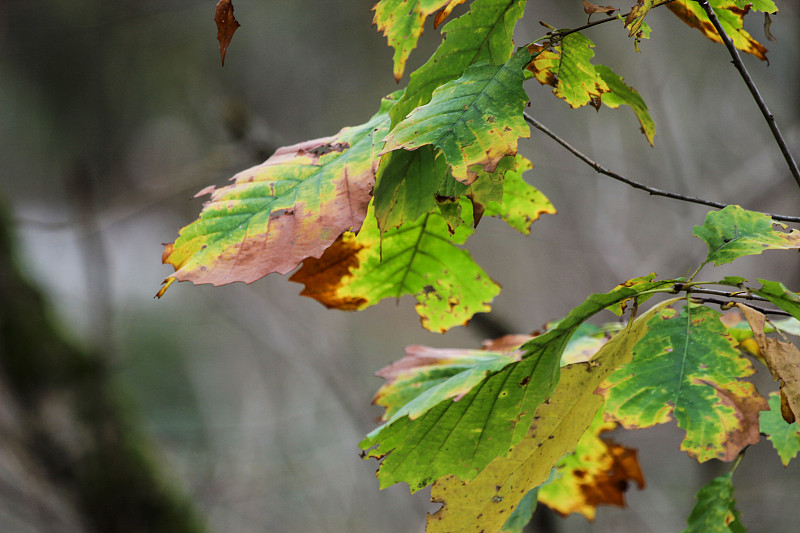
78,460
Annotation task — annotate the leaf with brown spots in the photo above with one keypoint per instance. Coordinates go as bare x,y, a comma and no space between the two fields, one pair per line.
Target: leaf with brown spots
687,367
730,17
226,26
287,209
597,473
783,361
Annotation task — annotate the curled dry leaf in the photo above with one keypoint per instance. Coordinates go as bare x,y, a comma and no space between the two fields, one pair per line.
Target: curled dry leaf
590,8
226,26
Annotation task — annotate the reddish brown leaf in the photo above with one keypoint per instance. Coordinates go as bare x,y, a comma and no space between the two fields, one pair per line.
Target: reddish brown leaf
590,8
445,12
226,26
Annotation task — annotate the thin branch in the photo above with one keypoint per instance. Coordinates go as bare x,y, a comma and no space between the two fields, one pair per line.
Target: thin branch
635,184
725,305
744,295
559,34
737,62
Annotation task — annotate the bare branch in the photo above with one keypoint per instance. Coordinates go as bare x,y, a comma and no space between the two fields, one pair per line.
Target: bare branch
737,62
635,184
559,34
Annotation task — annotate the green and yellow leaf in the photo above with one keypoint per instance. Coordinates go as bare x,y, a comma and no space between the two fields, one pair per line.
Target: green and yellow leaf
767,6
686,367
785,437
635,18
474,120
715,509
401,22
460,425
289,208
731,18
486,501
419,258
567,67
734,232
619,93
780,296
484,33
521,204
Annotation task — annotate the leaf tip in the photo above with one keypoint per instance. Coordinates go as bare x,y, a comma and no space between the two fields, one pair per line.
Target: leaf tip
165,285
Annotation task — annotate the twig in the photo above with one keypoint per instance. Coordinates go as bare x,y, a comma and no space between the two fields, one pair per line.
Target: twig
737,62
744,295
559,34
724,305
635,184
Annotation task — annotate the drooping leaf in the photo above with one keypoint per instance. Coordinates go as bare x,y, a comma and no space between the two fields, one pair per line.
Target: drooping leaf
715,510
485,502
687,367
734,232
590,8
567,67
484,33
474,120
226,26
619,93
418,258
785,437
767,6
401,22
289,208
731,19
636,16
783,361
780,296
434,435
406,185
522,515
521,204
596,473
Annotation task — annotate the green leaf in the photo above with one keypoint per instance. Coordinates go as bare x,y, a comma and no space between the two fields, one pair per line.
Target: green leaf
401,22
619,93
474,120
567,67
731,18
779,295
521,203
406,184
484,33
686,366
715,511
276,214
767,6
734,232
485,502
785,437
442,430
418,258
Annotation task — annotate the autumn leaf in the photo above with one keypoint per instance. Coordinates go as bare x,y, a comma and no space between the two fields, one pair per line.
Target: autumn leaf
484,33
734,232
226,26
687,367
289,208
779,295
474,120
590,9
484,502
636,16
619,93
731,18
596,473
521,204
434,435
419,258
767,6
715,509
783,361
401,22
567,67
445,12
523,514
785,437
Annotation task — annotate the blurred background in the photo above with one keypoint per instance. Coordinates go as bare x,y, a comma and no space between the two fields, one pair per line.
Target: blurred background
252,400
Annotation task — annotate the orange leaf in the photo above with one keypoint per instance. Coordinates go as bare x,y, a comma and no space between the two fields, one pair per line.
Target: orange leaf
445,12
226,26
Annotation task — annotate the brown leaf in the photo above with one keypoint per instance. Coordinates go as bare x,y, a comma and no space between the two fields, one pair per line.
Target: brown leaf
226,26
445,12
783,361
590,8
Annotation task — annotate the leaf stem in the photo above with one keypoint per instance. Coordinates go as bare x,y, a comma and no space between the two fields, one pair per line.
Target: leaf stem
737,62
635,184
